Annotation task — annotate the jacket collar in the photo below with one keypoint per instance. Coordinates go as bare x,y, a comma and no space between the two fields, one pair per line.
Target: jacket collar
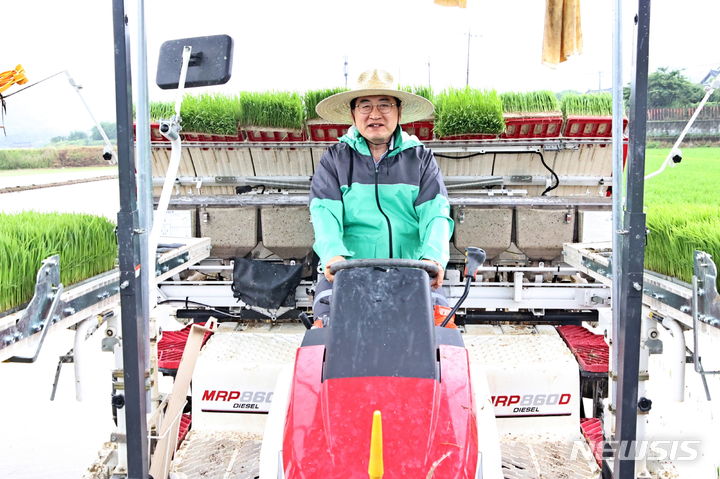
400,141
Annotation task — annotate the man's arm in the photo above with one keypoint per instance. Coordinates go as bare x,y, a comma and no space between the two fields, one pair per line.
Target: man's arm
326,213
435,223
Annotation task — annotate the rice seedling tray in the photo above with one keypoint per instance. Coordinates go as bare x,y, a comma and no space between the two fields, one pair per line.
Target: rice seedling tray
532,127
326,131
422,129
211,137
171,347
589,126
466,137
260,134
155,134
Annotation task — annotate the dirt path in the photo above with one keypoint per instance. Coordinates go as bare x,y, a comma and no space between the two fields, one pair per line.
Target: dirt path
15,189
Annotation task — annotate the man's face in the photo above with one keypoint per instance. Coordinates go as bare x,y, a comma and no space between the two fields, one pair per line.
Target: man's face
376,117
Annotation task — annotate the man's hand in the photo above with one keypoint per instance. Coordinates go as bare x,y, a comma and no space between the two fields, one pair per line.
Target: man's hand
326,271
437,281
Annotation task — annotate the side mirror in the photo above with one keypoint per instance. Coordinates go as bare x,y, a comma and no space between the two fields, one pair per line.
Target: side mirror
210,62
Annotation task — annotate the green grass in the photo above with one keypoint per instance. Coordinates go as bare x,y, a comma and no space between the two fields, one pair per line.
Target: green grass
26,158
589,104
57,157
468,111
313,97
86,244
683,211
543,101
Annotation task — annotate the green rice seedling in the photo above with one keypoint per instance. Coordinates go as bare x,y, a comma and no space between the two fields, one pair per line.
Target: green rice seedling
424,91
543,101
210,113
675,232
589,104
161,110
683,211
313,97
468,111
272,109
86,244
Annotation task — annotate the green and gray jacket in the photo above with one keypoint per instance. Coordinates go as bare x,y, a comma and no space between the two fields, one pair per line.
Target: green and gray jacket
397,208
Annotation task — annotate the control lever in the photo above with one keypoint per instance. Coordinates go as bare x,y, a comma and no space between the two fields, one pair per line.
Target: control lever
474,258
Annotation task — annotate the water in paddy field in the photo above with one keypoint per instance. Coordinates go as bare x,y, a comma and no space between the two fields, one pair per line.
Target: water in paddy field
96,197
54,439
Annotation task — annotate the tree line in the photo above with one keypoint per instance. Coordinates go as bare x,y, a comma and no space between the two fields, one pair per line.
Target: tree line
92,135
672,89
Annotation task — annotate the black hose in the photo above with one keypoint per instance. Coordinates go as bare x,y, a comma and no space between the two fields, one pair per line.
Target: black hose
542,159
557,180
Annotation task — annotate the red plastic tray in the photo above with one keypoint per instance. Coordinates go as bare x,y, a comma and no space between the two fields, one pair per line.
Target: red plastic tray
171,347
592,430
538,127
155,134
326,131
422,129
589,127
274,135
590,350
185,422
210,137
169,358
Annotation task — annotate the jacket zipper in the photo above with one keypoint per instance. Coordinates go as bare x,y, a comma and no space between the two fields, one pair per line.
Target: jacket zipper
377,200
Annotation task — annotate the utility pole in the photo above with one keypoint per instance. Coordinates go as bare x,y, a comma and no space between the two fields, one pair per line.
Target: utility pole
467,76
600,80
428,65
345,70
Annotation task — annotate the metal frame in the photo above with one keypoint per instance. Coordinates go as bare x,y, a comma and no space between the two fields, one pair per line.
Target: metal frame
498,145
134,317
627,312
451,182
513,295
280,199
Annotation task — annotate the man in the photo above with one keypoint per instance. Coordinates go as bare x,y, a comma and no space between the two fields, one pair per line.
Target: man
378,193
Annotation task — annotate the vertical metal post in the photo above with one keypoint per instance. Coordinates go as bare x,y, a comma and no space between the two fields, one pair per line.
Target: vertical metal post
617,190
145,189
345,70
632,259
134,334
467,68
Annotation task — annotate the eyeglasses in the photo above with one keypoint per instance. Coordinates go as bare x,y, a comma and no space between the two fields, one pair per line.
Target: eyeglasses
366,108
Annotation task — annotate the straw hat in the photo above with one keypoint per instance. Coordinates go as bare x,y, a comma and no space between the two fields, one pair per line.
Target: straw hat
336,108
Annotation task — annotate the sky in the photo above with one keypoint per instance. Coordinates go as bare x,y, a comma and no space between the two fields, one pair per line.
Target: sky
299,45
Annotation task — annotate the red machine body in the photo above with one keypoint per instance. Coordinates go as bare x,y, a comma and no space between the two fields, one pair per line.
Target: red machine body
429,426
